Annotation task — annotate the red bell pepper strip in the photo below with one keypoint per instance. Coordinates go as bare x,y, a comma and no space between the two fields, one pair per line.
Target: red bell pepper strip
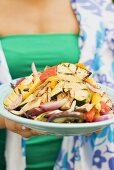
52,71
90,115
104,107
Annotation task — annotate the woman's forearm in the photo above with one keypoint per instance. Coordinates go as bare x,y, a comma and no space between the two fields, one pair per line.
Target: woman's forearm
2,122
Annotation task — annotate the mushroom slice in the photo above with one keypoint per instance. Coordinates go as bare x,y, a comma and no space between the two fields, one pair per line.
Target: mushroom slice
68,117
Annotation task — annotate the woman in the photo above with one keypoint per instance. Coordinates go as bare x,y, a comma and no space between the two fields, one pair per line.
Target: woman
44,17
47,37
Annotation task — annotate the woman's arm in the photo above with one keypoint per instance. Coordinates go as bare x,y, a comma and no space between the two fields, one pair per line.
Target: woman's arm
17,128
2,122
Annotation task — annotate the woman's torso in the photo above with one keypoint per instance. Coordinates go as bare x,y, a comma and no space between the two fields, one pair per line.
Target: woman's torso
35,18
45,49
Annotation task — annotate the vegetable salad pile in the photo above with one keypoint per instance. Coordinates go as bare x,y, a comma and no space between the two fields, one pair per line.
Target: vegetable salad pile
64,93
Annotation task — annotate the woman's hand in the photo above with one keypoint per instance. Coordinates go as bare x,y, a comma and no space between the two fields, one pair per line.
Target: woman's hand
2,122
97,132
21,130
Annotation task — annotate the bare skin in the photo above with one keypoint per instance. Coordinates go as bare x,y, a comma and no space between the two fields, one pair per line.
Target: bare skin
37,16
34,17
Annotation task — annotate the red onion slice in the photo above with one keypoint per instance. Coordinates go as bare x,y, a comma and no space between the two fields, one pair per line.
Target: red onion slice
19,81
34,112
95,89
53,105
105,113
51,113
103,117
15,104
34,70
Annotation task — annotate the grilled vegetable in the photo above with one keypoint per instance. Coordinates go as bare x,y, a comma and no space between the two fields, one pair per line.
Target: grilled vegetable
33,113
58,88
25,88
14,104
94,89
85,108
53,81
52,71
64,73
103,117
38,92
80,70
51,113
42,117
80,92
34,103
90,115
34,70
91,81
106,99
53,105
105,107
62,94
66,117
96,100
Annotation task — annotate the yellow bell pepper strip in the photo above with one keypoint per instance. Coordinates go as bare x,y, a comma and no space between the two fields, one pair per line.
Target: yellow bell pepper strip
91,81
53,81
81,66
96,100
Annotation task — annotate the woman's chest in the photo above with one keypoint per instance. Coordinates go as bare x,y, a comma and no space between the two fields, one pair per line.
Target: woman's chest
20,17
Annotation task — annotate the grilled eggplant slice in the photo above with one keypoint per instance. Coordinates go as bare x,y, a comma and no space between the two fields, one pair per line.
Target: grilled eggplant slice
68,117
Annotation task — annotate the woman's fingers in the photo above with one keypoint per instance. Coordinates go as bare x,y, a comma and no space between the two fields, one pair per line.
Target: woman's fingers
38,133
22,130
97,132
